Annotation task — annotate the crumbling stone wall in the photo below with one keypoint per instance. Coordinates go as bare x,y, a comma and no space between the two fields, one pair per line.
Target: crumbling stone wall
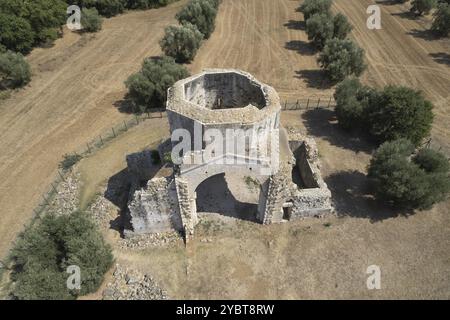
155,208
228,99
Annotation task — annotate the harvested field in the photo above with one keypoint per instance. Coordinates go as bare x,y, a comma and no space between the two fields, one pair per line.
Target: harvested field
267,39
74,97
405,53
70,101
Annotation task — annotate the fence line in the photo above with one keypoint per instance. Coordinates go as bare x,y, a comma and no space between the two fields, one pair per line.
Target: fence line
125,125
309,103
95,144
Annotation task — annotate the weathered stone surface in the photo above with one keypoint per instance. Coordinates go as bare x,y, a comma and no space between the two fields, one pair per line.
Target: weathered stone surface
129,284
223,100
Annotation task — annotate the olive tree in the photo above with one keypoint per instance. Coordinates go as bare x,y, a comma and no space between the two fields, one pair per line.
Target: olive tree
400,112
421,7
201,13
14,70
409,181
341,58
311,7
148,88
43,252
441,20
181,42
91,21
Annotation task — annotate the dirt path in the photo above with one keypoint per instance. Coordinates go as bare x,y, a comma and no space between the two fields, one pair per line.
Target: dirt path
69,102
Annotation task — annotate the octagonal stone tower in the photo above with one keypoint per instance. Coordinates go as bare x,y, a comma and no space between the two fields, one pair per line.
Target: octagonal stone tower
227,102
242,117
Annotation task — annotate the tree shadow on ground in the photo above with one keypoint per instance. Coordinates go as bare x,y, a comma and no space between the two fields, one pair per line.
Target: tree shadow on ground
116,192
295,25
124,105
387,2
427,35
323,123
405,15
352,196
301,47
314,79
441,57
214,195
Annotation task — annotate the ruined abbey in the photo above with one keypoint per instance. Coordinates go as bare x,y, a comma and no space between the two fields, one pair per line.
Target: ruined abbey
226,139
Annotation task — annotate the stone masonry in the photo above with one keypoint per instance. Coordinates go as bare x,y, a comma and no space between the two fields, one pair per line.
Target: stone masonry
223,101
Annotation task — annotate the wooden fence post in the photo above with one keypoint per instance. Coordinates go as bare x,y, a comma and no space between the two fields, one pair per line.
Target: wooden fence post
114,133
125,125
307,104
318,104
62,177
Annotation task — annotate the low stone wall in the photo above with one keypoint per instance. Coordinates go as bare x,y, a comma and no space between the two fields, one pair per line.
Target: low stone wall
315,199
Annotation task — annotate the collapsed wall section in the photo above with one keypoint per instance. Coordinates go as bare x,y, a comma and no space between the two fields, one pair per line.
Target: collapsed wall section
155,209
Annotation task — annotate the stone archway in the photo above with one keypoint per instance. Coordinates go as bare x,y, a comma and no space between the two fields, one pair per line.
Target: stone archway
229,195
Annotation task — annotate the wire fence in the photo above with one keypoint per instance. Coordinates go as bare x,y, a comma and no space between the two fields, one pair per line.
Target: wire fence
309,103
90,147
122,127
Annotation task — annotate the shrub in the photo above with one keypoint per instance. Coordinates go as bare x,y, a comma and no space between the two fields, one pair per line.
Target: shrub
69,161
91,21
422,6
201,13
181,42
14,70
110,8
341,26
148,88
43,252
319,28
146,4
441,20
16,33
342,58
168,158
405,183
400,112
311,7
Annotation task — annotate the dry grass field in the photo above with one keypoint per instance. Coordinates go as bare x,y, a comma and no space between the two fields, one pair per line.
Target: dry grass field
73,98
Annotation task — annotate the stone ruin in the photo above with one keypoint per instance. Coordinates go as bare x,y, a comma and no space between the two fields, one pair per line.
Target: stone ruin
164,198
